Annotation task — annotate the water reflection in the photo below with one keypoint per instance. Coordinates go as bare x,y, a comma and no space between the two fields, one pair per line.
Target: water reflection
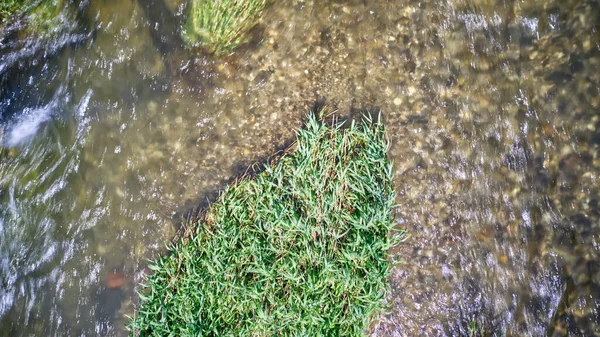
492,110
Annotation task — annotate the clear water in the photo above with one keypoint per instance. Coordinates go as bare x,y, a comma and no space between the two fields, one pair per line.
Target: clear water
113,133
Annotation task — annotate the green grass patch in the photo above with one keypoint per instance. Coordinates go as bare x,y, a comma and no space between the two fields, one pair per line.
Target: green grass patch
219,26
300,249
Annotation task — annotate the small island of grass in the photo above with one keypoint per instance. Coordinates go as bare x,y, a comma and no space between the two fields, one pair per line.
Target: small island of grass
300,249
219,26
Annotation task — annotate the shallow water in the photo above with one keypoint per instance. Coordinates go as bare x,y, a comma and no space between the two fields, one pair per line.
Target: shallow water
492,110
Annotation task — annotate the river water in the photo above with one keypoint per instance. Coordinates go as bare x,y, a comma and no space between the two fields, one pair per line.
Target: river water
112,134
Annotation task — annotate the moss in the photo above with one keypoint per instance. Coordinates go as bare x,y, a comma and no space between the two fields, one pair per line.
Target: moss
41,16
10,9
44,18
298,250
219,26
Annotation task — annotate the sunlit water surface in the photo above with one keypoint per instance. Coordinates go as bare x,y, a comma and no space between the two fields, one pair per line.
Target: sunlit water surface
112,133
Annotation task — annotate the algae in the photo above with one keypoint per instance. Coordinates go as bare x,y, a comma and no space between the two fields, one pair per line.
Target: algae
40,15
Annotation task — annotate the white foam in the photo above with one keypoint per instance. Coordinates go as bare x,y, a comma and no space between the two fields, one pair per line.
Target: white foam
27,125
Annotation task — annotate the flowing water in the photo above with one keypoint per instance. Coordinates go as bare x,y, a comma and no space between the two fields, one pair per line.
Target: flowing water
112,133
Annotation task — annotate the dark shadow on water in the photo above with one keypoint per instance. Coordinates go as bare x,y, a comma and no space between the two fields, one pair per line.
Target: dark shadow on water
109,302
164,26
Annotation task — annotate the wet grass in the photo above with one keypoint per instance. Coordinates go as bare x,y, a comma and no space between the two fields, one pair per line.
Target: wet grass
41,14
12,8
44,18
219,26
300,249
481,322
477,327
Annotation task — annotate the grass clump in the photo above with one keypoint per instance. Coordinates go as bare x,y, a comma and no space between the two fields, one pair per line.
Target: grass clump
219,26
298,250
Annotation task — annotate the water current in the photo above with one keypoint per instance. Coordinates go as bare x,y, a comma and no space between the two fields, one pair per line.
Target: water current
112,133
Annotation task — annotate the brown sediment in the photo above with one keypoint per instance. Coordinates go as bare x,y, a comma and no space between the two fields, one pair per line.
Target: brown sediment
114,279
